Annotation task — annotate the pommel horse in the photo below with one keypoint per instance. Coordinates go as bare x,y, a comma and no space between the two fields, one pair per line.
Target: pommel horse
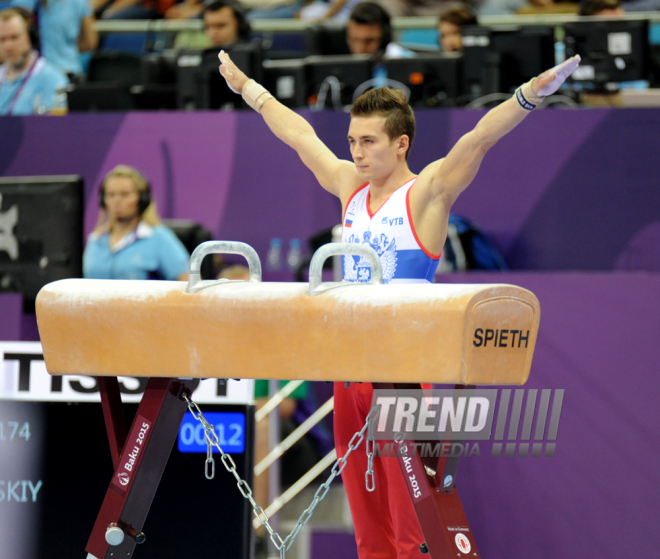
178,333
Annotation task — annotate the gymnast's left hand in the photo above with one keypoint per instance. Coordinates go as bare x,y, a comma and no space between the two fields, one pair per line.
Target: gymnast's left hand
234,77
551,80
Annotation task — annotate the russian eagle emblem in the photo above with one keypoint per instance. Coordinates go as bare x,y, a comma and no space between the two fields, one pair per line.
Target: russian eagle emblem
357,268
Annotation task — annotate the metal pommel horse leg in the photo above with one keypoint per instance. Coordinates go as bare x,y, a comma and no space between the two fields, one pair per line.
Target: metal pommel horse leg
139,460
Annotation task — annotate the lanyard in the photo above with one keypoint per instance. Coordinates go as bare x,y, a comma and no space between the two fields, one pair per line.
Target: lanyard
28,74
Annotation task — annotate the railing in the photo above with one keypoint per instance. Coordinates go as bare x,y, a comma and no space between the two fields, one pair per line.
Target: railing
280,448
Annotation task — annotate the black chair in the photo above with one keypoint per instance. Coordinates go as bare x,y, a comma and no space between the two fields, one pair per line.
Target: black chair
114,66
192,234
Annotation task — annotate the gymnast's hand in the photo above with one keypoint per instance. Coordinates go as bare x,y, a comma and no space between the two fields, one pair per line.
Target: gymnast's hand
551,80
234,77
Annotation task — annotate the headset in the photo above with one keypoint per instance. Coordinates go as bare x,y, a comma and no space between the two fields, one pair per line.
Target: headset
366,13
244,29
143,202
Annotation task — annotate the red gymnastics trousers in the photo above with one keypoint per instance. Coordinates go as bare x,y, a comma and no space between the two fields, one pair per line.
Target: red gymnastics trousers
385,523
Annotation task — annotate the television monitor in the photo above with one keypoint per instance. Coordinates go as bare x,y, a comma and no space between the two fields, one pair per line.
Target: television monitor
115,66
287,81
350,70
611,50
433,79
41,232
154,97
481,65
524,52
327,39
200,84
159,68
92,97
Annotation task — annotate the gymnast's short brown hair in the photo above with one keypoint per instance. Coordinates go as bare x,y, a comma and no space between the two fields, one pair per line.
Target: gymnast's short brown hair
393,105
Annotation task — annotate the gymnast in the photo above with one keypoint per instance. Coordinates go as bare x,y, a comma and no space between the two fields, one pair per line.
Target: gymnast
404,217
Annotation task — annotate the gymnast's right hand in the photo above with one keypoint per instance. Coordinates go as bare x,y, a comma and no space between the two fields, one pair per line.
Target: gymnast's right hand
234,77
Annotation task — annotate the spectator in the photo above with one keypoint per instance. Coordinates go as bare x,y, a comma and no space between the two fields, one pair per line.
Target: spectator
272,9
406,8
450,28
28,82
339,10
544,7
369,32
129,242
609,8
66,28
225,23
132,9
188,9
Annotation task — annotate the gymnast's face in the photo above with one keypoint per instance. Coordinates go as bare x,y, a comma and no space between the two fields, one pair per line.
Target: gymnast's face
121,198
373,152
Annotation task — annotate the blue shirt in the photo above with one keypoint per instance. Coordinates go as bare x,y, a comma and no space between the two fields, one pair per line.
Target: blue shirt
30,91
146,253
59,28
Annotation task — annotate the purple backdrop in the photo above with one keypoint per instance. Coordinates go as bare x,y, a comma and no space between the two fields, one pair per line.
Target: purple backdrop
567,189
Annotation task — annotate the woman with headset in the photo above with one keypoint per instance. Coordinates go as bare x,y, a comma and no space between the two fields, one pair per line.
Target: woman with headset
129,242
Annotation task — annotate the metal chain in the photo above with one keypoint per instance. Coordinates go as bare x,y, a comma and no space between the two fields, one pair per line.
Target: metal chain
229,464
369,477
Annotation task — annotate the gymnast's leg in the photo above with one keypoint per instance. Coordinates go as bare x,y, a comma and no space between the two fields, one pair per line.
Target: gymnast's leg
374,532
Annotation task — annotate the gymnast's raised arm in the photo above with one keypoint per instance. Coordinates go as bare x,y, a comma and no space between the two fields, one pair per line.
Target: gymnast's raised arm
448,177
335,175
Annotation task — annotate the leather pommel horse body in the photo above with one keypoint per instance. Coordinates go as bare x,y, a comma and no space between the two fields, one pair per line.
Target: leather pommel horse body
437,333
389,335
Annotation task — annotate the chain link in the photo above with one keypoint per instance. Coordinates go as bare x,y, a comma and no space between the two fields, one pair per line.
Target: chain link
228,462
369,477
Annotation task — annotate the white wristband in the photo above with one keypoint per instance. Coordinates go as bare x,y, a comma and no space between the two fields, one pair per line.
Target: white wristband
255,95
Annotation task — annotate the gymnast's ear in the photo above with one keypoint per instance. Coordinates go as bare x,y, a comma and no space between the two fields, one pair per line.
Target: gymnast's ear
403,143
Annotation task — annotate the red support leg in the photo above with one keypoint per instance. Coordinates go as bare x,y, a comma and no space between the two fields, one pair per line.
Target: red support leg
113,413
140,466
439,510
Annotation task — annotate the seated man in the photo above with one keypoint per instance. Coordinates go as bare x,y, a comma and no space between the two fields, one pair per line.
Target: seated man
418,8
527,7
450,27
617,9
225,24
132,9
369,32
28,82
609,8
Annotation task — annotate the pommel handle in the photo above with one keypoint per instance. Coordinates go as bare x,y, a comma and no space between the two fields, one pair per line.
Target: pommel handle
316,285
195,282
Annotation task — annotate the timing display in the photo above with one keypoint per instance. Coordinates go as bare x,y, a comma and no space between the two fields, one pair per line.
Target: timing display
14,430
228,426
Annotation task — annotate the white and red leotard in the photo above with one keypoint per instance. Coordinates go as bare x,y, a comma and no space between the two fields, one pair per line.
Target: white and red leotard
385,523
